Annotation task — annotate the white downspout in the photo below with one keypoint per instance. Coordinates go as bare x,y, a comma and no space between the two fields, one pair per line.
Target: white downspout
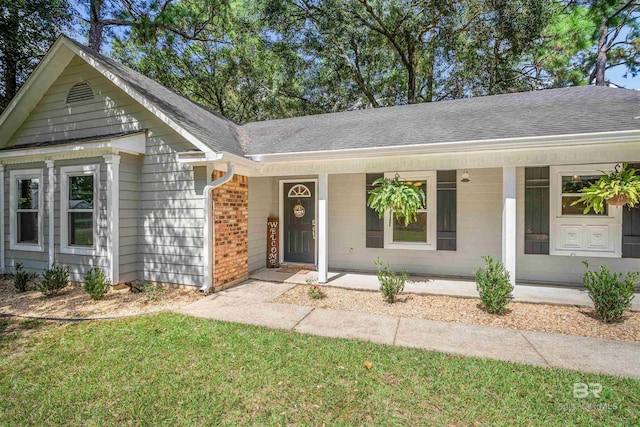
208,225
51,206
2,265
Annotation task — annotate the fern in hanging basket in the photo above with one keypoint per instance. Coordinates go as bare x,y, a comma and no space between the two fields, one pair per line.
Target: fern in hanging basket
618,187
402,198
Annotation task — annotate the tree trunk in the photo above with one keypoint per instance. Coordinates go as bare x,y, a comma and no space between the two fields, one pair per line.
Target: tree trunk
96,26
411,74
601,58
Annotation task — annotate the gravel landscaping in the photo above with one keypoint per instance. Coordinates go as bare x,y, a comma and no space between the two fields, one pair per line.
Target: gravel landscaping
73,302
573,320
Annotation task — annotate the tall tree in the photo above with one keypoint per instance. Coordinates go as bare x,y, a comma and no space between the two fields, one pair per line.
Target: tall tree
614,48
27,29
232,68
147,17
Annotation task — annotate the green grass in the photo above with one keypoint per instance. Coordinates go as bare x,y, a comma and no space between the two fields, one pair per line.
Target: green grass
170,369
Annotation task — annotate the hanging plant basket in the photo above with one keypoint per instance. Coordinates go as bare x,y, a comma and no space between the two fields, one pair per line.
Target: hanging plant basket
619,200
620,187
401,198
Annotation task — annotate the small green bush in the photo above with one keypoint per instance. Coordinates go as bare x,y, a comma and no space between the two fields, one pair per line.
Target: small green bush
611,295
391,283
152,292
53,279
22,279
96,284
494,287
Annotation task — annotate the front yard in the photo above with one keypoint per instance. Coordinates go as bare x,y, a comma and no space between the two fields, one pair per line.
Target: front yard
173,369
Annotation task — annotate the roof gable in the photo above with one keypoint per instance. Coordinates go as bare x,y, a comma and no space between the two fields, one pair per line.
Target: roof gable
205,129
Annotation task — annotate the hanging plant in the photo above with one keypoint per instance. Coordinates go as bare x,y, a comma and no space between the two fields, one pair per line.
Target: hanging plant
402,198
618,187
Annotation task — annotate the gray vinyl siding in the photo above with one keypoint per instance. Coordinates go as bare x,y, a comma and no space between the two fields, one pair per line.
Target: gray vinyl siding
80,264
171,212
129,212
31,261
111,111
161,206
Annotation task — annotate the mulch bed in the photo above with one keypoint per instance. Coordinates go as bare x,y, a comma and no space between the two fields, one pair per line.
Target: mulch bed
569,320
73,302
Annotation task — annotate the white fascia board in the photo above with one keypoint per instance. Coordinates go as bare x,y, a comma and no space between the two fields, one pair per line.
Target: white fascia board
199,158
457,146
132,144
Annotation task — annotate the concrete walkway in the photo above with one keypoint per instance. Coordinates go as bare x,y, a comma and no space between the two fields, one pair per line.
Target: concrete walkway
556,295
251,303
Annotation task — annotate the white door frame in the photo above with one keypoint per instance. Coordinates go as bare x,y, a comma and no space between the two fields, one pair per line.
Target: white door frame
281,213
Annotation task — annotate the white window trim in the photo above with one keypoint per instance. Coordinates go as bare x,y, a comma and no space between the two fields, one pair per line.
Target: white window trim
431,178
613,219
14,175
65,173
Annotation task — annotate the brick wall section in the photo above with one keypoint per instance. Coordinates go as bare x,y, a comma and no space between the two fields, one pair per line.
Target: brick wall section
231,240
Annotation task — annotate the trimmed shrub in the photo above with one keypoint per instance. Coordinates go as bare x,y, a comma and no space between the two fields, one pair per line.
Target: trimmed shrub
53,279
610,293
96,284
22,279
494,287
391,283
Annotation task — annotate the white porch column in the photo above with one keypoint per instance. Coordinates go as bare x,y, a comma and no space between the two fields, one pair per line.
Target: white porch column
113,216
323,227
509,221
51,208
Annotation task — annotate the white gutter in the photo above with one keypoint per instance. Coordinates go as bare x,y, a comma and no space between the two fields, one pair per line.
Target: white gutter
455,146
209,225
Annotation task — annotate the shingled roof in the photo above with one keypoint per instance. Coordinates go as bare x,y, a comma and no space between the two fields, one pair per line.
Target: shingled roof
566,111
211,128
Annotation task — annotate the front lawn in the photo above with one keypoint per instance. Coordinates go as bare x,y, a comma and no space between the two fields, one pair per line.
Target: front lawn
172,369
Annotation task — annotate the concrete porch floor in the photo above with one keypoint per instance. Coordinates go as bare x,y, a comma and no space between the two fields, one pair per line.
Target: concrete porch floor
540,294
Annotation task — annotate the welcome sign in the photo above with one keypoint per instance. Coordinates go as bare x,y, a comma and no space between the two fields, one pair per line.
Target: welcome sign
273,243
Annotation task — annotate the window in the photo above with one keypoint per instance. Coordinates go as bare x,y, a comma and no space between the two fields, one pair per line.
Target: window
26,198
79,196
421,234
571,187
631,229
571,232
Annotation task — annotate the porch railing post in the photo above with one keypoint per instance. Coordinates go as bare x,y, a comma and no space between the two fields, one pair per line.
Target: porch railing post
509,221
323,227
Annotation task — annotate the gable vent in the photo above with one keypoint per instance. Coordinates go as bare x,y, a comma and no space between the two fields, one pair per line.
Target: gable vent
80,92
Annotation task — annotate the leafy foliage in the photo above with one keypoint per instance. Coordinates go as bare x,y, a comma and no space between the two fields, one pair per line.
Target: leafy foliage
610,293
316,293
391,283
621,181
402,198
22,279
96,284
152,292
27,28
494,287
53,280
